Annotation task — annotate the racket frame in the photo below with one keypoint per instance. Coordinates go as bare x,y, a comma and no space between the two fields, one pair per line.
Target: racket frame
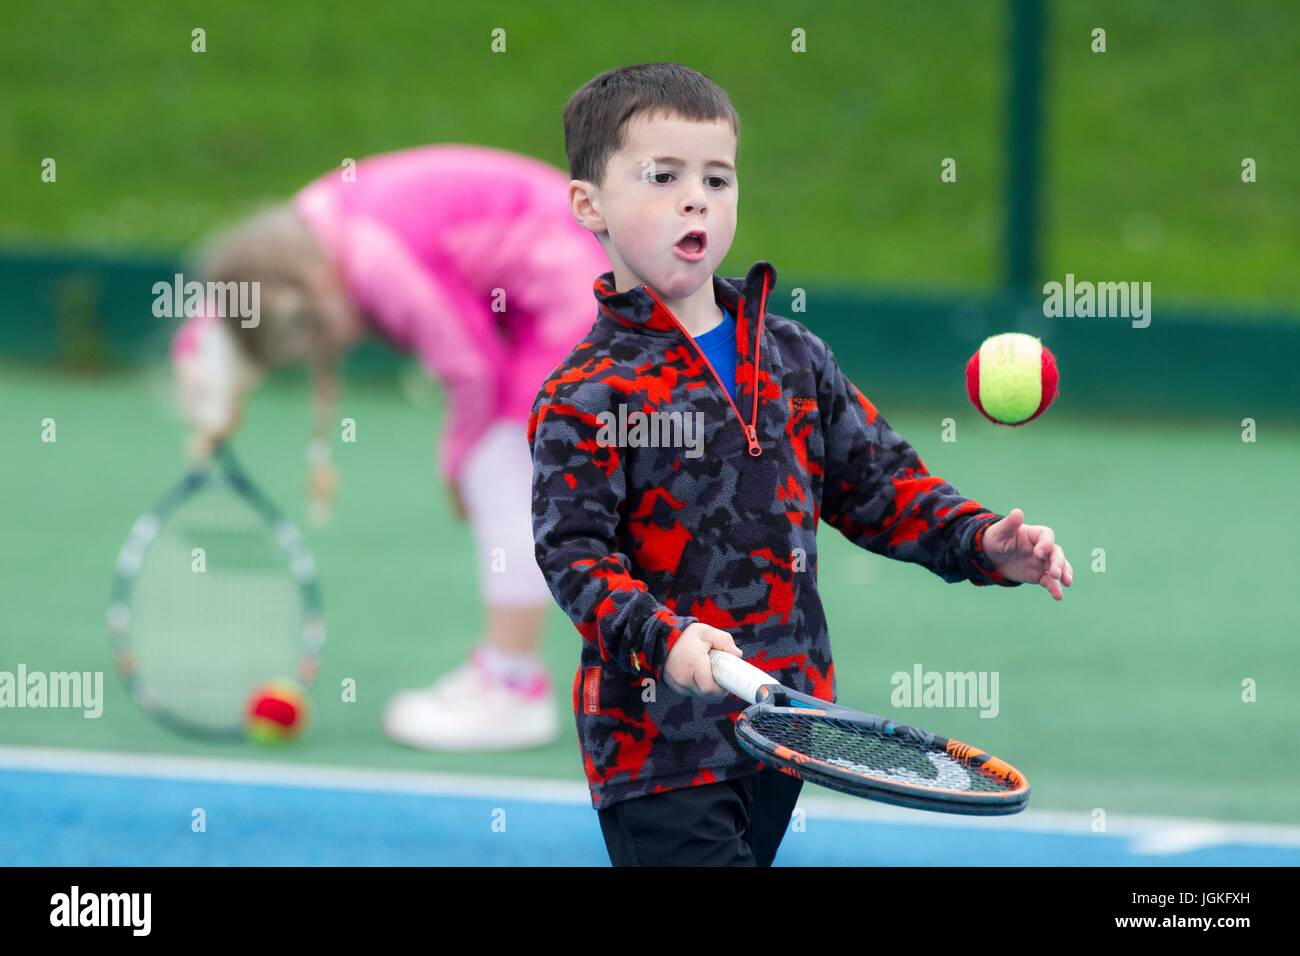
768,696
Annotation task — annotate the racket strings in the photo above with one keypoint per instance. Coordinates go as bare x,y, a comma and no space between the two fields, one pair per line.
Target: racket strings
860,748
208,628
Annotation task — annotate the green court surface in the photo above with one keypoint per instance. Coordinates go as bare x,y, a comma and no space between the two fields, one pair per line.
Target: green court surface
1126,697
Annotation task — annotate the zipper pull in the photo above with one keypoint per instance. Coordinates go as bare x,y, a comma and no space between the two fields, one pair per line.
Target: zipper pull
752,434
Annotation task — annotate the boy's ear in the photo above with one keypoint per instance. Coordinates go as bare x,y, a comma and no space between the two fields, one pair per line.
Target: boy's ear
584,199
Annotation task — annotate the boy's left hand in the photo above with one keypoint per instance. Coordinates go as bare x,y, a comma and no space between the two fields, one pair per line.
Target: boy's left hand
1028,553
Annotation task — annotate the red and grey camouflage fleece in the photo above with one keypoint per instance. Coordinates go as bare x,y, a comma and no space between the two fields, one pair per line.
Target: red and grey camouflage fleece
642,529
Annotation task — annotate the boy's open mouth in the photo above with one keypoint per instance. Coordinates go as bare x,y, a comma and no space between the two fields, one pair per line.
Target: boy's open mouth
692,245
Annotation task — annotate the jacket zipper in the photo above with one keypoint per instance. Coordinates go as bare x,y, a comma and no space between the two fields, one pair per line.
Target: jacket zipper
751,429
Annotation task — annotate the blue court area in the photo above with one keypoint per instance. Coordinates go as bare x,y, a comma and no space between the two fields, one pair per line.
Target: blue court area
143,813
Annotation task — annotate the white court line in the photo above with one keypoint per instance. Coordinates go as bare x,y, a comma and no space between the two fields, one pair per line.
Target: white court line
1150,835
307,776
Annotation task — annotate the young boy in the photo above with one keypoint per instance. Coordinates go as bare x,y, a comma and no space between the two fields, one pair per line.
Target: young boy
663,551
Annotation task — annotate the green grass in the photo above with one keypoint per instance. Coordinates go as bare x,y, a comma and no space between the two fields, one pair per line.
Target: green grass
840,149
1147,139
1126,696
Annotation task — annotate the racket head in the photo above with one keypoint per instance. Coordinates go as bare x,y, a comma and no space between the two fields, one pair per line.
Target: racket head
191,646
869,756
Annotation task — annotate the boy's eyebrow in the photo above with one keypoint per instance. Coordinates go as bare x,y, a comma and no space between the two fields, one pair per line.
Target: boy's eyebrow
681,162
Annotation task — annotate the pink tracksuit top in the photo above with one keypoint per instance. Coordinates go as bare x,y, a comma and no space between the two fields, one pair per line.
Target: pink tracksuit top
469,258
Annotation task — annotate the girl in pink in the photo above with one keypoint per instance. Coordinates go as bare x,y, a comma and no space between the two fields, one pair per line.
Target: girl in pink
469,258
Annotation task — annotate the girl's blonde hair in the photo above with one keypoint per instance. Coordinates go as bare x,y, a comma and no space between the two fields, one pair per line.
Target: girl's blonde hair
275,248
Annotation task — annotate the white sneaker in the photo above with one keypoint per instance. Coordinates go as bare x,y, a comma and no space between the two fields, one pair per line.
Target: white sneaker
470,709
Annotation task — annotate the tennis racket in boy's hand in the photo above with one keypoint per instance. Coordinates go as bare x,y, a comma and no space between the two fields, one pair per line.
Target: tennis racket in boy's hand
862,754
688,669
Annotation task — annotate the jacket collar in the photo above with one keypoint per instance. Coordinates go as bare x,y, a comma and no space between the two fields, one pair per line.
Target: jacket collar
641,310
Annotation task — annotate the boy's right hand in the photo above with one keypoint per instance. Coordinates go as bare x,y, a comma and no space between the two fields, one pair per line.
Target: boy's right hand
688,670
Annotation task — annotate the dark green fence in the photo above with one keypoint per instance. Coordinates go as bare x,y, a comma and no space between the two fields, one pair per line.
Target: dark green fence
89,314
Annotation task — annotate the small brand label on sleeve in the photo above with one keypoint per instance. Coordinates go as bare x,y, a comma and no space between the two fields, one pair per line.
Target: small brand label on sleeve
591,691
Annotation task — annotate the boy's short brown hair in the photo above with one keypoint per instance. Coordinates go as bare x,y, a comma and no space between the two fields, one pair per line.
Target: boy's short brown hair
596,115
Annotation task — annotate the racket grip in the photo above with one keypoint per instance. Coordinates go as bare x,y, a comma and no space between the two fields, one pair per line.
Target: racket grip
737,676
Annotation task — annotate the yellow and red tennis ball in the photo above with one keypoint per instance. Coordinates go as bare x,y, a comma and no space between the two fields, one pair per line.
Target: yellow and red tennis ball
276,712
1012,378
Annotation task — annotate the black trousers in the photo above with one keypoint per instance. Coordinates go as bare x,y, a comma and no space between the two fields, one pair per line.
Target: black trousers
733,823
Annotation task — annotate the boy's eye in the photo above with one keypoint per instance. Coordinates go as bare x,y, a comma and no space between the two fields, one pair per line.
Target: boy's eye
718,182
